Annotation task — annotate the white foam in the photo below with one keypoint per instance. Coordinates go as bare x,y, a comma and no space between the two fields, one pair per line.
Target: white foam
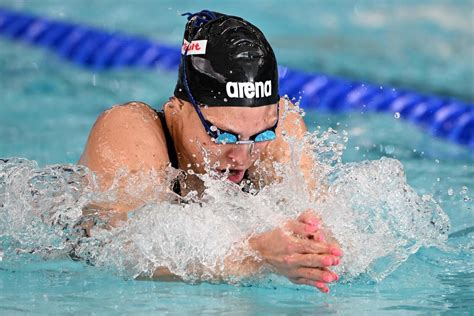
378,219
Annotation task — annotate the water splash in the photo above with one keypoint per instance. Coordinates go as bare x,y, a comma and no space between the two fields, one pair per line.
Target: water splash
378,219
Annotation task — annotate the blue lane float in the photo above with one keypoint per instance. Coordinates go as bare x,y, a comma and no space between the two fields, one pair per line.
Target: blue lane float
99,50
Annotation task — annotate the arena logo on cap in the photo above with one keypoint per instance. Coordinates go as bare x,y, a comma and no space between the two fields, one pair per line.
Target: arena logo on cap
249,89
195,48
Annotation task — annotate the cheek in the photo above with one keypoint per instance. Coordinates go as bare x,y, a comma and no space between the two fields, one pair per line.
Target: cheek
258,149
199,148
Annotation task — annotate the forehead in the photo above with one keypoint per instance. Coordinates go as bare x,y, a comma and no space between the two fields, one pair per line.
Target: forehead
241,119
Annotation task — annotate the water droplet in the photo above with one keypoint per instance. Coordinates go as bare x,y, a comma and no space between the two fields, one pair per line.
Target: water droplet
450,191
436,160
464,190
332,131
357,148
225,99
389,149
426,197
213,128
396,115
438,179
190,171
189,165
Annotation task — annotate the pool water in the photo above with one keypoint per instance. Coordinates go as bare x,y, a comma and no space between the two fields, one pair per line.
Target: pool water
48,106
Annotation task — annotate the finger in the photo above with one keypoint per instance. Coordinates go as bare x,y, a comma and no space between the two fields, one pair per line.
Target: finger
319,275
336,276
319,237
313,261
304,246
313,246
300,229
321,286
310,260
309,218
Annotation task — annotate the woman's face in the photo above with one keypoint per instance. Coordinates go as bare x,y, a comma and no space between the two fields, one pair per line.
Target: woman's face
198,150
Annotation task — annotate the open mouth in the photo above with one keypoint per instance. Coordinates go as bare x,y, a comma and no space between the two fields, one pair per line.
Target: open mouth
235,175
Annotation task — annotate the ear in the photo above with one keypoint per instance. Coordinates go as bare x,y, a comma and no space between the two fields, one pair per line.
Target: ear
175,105
176,111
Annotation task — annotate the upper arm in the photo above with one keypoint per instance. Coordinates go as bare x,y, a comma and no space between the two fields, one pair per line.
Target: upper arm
292,126
128,136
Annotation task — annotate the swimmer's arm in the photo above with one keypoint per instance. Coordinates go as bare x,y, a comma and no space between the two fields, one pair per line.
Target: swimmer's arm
127,137
292,125
236,264
296,250
293,251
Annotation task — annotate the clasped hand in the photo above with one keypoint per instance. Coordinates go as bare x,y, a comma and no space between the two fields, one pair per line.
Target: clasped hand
298,250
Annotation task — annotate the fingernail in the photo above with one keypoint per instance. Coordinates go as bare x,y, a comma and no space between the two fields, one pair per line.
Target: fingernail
327,261
336,261
320,285
336,252
327,277
326,290
336,277
321,237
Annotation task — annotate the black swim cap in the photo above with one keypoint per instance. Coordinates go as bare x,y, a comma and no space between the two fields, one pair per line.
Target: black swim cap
228,63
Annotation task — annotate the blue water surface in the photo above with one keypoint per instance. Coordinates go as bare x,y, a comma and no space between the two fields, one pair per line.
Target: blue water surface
48,106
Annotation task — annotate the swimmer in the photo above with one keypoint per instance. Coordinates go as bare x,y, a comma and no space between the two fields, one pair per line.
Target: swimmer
226,103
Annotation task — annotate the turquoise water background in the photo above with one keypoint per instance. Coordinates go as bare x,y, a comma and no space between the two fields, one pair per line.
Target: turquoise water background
48,106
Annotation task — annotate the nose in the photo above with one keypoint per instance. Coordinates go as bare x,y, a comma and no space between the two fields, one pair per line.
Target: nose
239,155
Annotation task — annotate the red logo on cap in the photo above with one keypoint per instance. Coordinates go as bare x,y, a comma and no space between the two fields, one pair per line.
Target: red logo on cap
194,48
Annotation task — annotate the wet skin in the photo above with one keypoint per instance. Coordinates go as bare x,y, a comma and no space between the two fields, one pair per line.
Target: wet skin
190,136
131,136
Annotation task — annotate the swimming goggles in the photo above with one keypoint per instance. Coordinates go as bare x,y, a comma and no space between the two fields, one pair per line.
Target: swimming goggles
220,136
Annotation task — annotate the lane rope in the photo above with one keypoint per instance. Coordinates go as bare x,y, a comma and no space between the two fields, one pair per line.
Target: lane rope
100,50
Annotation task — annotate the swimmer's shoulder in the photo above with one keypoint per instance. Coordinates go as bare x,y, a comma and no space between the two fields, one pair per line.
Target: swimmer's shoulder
129,135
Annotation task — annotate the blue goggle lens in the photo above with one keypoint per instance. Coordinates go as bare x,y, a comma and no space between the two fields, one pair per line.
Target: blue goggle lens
226,138
265,136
